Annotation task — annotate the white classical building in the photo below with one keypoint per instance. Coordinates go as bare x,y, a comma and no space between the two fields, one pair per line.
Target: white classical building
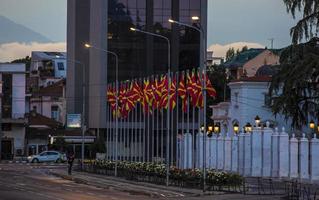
13,108
249,98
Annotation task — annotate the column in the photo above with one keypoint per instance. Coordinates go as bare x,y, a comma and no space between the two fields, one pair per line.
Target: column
275,153
266,148
283,154
314,159
214,152
199,150
220,152
234,154
293,155
247,155
209,152
228,152
241,155
256,152
304,157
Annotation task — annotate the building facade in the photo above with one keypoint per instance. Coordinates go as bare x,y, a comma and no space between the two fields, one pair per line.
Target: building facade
13,108
106,25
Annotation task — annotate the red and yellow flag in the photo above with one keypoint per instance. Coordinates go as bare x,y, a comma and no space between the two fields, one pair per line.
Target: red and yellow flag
172,92
209,87
182,92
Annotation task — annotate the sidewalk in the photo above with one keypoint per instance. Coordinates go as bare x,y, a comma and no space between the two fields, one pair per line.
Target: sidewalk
148,189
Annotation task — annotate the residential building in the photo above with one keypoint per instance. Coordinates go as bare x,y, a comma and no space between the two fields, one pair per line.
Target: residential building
13,108
50,101
47,68
211,60
106,25
246,63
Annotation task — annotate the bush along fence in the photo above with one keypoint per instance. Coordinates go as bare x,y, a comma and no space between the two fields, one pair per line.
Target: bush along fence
156,173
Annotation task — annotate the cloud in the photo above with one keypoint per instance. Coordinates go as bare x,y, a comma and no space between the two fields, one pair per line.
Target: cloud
12,51
220,50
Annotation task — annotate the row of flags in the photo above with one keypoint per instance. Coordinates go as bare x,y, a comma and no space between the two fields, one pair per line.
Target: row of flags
153,93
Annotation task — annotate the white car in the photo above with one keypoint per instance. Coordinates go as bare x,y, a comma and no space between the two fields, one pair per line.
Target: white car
48,156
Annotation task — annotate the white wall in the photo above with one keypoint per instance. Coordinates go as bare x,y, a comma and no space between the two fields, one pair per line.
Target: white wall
250,101
18,95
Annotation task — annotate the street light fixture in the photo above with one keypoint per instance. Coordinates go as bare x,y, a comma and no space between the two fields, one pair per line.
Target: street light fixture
168,92
236,128
210,130
217,128
248,128
257,121
87,45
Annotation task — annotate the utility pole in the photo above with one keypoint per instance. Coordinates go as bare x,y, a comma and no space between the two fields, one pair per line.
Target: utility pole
272,42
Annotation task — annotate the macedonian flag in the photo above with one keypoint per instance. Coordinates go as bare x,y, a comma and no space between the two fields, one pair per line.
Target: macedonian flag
182,92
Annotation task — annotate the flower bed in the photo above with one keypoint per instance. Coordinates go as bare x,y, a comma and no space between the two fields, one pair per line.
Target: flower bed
156,173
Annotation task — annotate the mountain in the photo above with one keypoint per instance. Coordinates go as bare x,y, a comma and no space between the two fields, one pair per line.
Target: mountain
13,32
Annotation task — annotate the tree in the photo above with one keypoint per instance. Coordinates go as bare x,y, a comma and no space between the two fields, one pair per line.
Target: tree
230,54
295,88
26,61
245,48
309,24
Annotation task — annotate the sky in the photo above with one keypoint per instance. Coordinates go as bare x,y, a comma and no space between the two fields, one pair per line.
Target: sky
230,23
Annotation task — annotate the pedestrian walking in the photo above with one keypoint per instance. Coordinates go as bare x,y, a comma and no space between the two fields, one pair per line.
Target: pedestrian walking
70,162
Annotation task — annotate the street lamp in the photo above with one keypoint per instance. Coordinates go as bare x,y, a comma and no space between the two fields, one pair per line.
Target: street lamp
203,69
248,128
217,128
236,128
210,129
168,92
116,99
257,120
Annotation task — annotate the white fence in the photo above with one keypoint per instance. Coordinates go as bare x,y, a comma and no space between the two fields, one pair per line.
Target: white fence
262,153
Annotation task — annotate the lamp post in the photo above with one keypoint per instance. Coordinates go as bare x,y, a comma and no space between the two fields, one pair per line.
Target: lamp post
203,69
312,126
168,92
116,99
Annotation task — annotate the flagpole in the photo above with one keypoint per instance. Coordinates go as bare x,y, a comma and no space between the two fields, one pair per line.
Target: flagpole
177,122
188,125
136,135
172,122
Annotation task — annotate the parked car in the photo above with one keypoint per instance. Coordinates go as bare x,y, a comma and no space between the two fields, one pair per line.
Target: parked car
48,156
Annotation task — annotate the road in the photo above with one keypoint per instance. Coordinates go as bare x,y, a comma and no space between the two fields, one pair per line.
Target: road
34,182
31,182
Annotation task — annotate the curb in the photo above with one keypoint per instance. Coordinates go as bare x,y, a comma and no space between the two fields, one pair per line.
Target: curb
105,186
133,191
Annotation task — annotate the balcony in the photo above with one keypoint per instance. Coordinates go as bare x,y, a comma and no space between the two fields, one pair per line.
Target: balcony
16,118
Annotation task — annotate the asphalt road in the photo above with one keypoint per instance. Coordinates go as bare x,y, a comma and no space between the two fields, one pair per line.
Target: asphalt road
31,182
34,182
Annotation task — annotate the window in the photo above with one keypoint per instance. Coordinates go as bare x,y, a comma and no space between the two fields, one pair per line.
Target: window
6,127
267,100
60,66
55,112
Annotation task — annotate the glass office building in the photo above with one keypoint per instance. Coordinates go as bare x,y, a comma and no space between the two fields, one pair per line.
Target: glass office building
106,24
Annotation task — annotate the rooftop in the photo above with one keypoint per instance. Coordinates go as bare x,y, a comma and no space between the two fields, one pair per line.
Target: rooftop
243,57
